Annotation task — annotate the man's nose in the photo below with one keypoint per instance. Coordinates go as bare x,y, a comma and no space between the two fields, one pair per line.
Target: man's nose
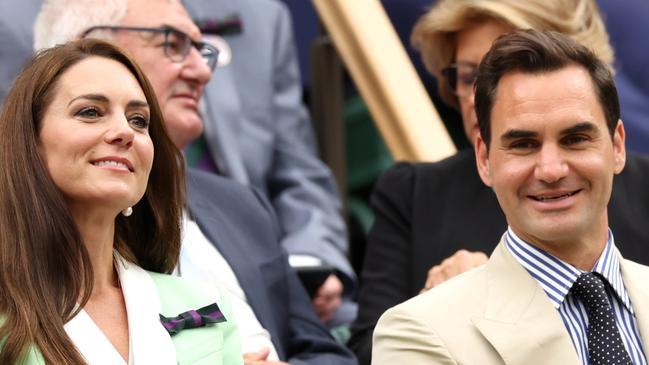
196,68
551,165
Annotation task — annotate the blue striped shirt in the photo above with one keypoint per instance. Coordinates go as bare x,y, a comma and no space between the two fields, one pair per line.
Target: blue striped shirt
556,278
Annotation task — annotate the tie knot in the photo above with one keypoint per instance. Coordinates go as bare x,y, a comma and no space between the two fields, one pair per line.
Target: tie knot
590,289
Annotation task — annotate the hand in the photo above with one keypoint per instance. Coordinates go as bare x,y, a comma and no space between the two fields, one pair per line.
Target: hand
260,358
328,298
458,263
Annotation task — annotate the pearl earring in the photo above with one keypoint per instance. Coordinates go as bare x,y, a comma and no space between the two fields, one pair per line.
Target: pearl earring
127,212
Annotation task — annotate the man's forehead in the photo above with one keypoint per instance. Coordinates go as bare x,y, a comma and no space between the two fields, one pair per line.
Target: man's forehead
538,100
156,13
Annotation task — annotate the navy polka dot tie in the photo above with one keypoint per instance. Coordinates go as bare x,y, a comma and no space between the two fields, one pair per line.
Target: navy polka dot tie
604,342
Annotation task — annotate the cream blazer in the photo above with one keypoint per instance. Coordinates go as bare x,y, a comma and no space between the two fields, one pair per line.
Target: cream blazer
494,314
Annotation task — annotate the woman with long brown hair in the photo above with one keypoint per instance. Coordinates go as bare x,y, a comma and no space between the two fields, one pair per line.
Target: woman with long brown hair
85,208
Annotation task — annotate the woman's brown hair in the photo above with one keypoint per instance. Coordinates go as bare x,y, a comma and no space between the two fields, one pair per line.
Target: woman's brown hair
45,271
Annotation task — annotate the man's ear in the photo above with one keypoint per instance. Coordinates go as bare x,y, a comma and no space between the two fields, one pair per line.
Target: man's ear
482,160
619,150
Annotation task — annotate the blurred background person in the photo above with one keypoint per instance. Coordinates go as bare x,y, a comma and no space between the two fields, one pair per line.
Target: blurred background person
258,132
81,282
436,220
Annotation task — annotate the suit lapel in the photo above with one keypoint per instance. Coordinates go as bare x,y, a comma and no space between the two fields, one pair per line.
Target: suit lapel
635,276
239,256
519,320
222,127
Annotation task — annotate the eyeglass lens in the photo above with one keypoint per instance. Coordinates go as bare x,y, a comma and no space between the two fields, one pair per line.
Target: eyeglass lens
178,45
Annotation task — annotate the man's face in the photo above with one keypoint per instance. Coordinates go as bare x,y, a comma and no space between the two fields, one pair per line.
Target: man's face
551,160
178,85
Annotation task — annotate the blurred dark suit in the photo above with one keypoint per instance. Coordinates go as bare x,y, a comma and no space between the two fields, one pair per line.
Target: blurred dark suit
242,226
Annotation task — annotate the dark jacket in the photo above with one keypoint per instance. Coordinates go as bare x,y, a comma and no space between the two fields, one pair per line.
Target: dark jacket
242,226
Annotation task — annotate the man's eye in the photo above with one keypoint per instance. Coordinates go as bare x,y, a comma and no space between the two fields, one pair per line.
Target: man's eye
89,112
173,46
574,139
523,144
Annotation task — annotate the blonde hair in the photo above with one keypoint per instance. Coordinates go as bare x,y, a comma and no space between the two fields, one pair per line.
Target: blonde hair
434,35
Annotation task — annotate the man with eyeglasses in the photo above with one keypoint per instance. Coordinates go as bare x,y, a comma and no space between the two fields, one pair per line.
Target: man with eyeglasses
258,132
230,233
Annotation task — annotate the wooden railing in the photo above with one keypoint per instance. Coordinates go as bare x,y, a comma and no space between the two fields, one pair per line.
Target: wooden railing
386,79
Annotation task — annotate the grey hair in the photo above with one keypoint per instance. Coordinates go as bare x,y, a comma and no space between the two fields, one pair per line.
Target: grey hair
60,21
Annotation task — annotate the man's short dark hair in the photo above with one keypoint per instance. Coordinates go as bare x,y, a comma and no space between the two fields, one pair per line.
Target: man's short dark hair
536,52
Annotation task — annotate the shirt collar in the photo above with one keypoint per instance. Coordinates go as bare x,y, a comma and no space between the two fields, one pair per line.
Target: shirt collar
556,277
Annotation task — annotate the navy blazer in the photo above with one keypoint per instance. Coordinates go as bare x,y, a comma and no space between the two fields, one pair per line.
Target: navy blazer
241,224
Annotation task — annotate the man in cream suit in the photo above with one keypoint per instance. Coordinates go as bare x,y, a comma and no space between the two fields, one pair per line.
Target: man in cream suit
555,290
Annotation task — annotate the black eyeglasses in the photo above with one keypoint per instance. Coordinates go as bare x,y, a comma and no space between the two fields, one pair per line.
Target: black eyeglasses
176,43
461,77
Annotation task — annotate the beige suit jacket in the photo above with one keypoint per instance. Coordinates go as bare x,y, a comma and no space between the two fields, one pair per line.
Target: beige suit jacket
494,314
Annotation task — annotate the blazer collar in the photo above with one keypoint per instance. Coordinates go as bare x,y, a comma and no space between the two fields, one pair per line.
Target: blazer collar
149,342
634,276
223,123
519,320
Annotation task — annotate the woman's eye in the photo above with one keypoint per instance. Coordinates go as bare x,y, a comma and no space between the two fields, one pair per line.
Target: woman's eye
467,79
139,121
89,112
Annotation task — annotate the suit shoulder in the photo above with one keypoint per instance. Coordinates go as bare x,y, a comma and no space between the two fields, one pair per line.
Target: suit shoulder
636,269
460,297
268,9
202,178
448,169
209,188
458,161
404,174
426,328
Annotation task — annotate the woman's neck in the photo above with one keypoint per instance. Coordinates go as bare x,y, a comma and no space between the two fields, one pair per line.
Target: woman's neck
97,231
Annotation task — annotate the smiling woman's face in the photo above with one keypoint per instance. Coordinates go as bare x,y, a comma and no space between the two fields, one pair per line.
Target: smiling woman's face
94,136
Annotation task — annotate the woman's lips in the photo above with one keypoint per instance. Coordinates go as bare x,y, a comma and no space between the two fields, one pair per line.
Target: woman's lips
114,163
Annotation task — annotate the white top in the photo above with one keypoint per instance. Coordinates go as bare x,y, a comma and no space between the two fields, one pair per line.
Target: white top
201,261
149,342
